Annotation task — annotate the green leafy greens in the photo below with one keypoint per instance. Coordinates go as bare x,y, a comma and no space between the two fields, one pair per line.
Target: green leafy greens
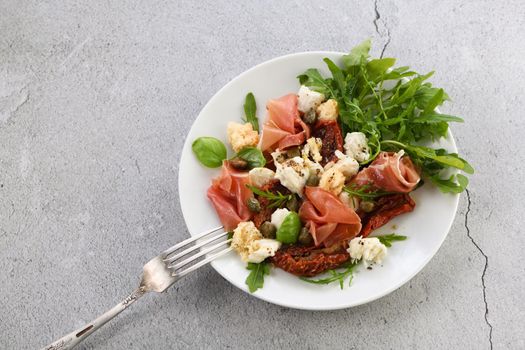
250,108
365,191
253,156
276,199
395,108
209,151
388,239
336,275
255,279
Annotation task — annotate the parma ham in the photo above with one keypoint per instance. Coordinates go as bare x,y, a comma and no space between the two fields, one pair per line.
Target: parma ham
328,219
284,127
392,172
228,194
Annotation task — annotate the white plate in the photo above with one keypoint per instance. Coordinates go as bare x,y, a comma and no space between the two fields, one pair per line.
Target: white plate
427,226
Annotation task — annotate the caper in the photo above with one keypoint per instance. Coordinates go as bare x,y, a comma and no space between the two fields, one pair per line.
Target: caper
305,238
293,152
313,180
254,205
268,230
239,164
366,206
310,117
293,203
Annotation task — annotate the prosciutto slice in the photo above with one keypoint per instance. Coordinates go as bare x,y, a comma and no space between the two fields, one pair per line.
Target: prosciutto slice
328,219
283,127
393,172
228,194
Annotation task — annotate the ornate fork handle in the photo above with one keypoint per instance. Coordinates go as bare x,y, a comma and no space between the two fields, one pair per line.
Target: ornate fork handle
72,339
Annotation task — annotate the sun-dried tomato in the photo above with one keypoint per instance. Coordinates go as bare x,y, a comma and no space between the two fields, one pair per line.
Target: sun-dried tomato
330,133
387,208
308,261
265,214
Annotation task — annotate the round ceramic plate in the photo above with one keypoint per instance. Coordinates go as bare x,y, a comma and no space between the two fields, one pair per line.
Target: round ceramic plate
426,227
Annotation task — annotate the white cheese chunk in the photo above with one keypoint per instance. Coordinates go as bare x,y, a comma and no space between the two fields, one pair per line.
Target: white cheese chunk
347,165
250,244
262,249
292,173
278,217
356,146
308,99
261,176
371,250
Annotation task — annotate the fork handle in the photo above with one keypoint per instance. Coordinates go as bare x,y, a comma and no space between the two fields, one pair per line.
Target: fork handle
72,339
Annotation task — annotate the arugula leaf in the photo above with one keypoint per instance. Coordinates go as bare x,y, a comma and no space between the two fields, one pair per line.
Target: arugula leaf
336,276
313,79
250,108
358,54
375,97
253,156
255,279
454,184
276,199
376,68
421,154
435,118
388,239
365,191
209,151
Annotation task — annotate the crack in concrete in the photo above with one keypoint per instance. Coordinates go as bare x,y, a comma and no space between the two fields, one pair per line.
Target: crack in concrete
484,268
376,25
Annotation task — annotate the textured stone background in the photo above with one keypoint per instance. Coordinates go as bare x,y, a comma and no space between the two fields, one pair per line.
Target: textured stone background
96,99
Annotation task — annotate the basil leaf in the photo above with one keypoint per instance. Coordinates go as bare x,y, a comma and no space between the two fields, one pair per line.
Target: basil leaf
253,156
250,108
209,151
289,230
255,279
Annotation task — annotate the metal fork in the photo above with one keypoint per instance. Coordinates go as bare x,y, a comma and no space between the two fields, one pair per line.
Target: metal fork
157,276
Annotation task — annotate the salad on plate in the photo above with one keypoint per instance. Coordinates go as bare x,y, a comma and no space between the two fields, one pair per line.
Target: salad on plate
305,189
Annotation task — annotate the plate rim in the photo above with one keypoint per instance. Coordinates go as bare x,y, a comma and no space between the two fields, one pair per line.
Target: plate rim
184,153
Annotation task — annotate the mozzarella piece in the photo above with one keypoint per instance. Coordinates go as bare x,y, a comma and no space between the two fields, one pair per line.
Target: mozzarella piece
292,173
371,250
308,99
328,110
242,135
261,176
347,165
262,249
356,146
250,244
332,180
278,217
312,149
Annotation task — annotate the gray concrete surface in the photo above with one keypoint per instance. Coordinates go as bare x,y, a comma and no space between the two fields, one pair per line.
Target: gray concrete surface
96,99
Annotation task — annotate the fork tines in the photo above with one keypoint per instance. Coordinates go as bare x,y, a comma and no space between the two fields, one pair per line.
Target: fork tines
197,251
